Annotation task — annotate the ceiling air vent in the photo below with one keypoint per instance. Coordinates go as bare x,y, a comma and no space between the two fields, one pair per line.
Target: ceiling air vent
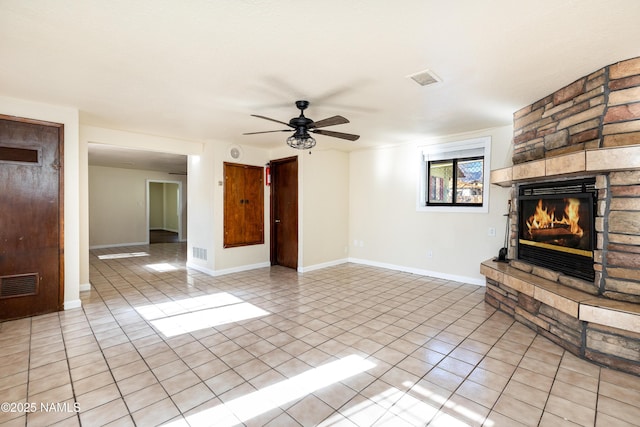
425,78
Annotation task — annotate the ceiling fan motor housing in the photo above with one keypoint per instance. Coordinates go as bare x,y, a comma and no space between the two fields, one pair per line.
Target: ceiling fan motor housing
301,122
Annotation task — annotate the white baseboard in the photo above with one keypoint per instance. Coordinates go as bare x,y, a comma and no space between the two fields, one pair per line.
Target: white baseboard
228,270
85,287
76,303
200,268
421,272
118,245
323,265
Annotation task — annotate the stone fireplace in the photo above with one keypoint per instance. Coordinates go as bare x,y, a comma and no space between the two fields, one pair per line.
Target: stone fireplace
574,243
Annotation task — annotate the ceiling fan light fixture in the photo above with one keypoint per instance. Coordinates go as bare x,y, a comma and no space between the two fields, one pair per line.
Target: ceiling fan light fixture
301,142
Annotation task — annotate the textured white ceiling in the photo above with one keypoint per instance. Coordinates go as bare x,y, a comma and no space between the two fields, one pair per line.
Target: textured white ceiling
197,69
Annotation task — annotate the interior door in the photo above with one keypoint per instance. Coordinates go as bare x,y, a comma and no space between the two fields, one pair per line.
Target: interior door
284,212
31,250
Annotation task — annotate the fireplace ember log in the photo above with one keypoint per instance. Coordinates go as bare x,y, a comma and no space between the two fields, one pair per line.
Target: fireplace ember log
558,232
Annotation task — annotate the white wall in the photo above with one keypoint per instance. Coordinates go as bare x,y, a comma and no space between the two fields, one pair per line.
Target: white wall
386,229
72,183
324,199
173,207
118,205
156,205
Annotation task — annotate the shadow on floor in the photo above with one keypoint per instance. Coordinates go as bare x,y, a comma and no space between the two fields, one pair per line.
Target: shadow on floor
162,236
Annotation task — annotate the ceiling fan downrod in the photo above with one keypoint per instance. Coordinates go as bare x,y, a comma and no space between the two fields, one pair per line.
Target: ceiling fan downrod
301,123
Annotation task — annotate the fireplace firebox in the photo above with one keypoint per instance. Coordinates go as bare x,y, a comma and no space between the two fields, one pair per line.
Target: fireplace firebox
556,226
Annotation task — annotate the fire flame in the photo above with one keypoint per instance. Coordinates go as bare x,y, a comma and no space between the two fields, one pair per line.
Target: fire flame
545,218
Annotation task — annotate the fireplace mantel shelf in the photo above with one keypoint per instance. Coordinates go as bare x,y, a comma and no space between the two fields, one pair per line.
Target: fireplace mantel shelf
567,165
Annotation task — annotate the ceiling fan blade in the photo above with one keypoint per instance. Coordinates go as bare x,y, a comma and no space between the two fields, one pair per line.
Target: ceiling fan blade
330,121
273,120
341,135
267,131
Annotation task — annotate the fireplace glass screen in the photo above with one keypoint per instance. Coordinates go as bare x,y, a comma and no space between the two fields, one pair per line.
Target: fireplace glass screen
556,226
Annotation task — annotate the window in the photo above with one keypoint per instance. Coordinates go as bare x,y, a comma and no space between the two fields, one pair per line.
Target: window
456,182
454,176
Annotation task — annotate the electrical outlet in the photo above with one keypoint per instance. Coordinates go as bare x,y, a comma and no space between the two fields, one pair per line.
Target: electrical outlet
492,232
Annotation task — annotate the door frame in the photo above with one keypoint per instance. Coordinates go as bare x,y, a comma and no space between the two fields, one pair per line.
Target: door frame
148,210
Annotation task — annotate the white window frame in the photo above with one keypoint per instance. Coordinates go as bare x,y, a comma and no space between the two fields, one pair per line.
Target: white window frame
455,150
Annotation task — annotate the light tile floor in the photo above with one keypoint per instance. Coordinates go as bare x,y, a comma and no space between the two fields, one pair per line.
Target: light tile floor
351,345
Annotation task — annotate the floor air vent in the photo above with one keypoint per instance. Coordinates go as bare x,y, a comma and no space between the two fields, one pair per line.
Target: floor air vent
18,286
200,253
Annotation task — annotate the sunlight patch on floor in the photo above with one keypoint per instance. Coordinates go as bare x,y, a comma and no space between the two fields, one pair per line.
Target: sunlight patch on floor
123,255
191,314
413,407
162,267
446,419
261,401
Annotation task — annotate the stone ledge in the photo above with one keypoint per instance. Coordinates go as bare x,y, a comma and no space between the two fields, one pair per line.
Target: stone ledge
581,305
581,162
616,314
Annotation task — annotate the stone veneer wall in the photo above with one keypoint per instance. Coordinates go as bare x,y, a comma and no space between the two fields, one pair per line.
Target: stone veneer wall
597,111
601,110
620,259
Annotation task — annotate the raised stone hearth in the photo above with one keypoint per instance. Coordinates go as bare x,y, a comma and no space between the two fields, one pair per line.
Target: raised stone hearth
598,329
588,129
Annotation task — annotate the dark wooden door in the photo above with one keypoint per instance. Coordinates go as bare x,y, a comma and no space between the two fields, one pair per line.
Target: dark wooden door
243,205
284,212
31,249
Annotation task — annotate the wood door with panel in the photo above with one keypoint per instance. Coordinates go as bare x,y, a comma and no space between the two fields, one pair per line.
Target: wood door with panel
31,217
243,205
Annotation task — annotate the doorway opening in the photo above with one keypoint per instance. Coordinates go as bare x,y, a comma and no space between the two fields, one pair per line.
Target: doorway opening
164,211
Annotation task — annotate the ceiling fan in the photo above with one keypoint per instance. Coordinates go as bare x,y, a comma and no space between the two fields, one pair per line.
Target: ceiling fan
303,125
